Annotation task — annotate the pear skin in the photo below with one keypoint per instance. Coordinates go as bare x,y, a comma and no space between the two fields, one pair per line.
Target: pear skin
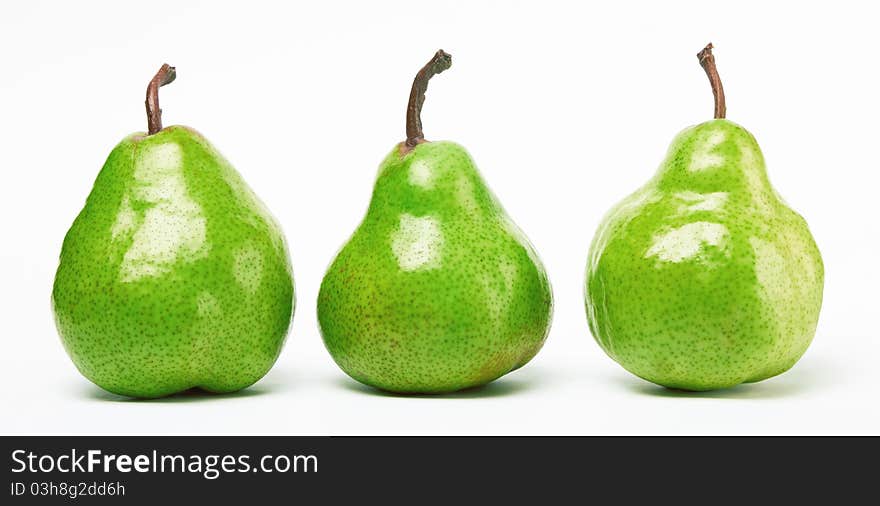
704,278
174,275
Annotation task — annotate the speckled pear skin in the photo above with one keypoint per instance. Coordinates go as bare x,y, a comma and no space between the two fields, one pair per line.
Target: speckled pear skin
437,290
704,278
174,275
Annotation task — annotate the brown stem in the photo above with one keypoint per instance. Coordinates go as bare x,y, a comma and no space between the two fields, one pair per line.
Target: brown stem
440,62
707,61
165,76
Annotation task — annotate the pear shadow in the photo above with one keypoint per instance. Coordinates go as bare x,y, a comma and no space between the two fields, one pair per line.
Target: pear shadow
501,387
797,381
193,395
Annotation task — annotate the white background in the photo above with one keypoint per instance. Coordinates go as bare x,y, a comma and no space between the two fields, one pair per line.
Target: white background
566,107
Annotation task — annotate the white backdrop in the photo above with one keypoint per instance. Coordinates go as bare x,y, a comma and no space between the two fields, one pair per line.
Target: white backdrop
566,107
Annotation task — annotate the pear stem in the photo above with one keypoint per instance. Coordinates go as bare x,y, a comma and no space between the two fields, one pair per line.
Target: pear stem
164,76
440,62
707,61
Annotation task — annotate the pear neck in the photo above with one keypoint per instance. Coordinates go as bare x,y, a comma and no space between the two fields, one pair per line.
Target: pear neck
440,180
717,156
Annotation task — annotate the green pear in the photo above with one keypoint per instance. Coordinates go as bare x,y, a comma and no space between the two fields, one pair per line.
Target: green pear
704,278
174,275
437,290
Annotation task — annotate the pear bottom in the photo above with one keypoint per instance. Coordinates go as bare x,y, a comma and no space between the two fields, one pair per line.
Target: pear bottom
417,339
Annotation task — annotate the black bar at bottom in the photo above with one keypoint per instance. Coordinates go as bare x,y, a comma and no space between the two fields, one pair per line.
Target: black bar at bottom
414,470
